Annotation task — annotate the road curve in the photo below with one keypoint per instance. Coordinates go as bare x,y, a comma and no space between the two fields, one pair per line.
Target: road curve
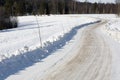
92,62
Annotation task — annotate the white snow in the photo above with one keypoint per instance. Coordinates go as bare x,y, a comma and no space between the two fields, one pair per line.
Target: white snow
20,47
58,57
112,29
14,41
111,32
21,55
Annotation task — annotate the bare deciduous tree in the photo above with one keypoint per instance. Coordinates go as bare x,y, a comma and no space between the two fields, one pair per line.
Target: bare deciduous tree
118,7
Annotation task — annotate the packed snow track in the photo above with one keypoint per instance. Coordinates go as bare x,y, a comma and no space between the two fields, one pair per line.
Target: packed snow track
92,62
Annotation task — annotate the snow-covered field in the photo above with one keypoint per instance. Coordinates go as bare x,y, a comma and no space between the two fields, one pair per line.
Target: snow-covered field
16,41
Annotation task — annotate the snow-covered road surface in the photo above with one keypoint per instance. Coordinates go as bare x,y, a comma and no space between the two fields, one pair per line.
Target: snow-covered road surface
92,62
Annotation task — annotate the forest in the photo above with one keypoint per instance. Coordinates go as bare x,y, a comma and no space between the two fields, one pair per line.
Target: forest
9,9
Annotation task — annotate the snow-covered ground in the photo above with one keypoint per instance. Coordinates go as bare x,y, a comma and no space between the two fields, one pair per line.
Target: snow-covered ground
112,29
15,41
20,52
20,47
112,32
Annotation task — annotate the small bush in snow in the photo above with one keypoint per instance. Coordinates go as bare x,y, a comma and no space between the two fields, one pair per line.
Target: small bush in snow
26,48
6,21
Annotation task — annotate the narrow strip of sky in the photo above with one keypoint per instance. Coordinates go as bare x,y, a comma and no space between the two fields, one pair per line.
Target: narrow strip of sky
102,1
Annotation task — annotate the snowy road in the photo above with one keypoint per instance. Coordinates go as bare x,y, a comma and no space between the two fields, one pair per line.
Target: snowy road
92,62
87,56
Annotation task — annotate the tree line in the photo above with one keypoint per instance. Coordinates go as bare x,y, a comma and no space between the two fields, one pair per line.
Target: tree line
12,8
24,7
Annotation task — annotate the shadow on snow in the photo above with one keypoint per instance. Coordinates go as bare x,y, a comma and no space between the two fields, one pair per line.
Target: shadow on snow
14,64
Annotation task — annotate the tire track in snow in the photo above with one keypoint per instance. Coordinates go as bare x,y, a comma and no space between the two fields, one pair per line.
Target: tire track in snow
93,62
